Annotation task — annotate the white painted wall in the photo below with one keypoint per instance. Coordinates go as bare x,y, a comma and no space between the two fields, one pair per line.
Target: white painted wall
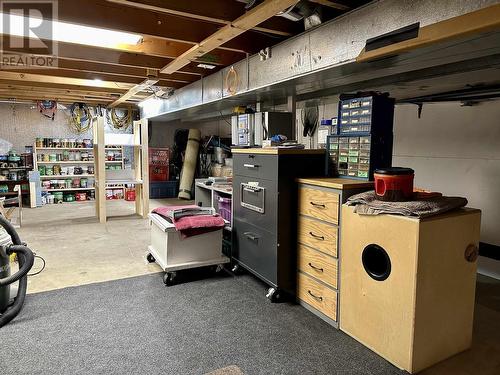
455,150
162,133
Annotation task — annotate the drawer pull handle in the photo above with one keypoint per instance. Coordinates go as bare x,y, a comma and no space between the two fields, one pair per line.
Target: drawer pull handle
319,298
250,165
251,236
318,205
322,238
315,268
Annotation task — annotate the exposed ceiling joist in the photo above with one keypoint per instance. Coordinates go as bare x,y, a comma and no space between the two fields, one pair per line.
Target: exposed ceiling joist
331,4
221,12
255,16
28,77
134,91
106,15
92,76
155,55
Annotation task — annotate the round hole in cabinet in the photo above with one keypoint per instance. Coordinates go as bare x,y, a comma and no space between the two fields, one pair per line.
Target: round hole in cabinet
376,262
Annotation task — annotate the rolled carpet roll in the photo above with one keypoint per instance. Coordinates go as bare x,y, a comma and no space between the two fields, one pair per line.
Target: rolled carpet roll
189,166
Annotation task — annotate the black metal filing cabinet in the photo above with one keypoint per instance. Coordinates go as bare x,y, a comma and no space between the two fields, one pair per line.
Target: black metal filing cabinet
265,213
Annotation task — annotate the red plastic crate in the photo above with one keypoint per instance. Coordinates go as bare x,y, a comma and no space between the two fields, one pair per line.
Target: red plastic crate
159,161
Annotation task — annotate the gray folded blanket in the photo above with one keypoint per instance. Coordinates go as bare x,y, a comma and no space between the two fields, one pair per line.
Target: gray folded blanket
367,204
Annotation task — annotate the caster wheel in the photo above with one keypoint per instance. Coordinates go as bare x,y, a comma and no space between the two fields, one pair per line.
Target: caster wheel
169,278
235,269
219,268
273,294
150,258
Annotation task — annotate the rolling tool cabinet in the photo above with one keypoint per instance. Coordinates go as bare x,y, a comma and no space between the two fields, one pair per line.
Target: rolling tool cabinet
319,221
265,214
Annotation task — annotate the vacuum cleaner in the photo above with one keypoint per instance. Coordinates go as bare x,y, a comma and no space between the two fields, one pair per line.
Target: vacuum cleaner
10,308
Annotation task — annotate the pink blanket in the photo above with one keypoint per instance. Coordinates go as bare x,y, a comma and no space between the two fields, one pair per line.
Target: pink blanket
192,225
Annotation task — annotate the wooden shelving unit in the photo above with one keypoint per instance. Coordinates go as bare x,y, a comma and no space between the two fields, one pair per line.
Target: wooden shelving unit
39,150
138,175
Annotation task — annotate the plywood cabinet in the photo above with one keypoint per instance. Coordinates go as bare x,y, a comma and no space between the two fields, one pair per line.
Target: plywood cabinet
407,285
318,242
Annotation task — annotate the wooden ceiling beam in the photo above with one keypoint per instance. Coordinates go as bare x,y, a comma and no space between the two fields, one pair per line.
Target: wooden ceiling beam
255,16
93,76
106,15
332,4
220,12
28,87
40,78
126,71
79,52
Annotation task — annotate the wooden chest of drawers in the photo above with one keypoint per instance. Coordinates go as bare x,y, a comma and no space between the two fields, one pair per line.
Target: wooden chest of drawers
319,220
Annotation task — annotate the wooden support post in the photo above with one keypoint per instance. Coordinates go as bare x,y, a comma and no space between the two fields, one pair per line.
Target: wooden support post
100,169
141,167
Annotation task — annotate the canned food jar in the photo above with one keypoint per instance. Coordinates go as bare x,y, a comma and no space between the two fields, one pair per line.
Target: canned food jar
68,183
87,143
58,197
83,182
52,157
57,142
65,155
39,142
394,184
41,170
56,169
61,184
76,182
49,198
49,171
78,156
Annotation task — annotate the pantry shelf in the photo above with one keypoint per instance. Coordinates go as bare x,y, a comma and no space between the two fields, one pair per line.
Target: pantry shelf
66,176
65,162
71,189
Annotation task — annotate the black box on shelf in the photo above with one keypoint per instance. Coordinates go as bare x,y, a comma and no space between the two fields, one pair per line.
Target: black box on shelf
365,137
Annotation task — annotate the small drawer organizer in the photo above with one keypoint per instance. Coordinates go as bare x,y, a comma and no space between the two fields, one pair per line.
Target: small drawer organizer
364,139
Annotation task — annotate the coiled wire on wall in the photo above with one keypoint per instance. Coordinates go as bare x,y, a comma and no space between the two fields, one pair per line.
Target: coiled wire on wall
80,118
232,81
120,122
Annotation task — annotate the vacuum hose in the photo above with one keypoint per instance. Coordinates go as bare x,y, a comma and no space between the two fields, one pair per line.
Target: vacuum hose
26,259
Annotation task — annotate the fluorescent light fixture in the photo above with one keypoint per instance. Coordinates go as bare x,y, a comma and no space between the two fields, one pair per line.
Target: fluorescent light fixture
98,82
206,66
70,33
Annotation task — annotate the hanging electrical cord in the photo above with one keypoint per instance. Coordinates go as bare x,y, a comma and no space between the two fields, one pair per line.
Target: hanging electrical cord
47,108
232,81
80,118
310,116
120,122
41,269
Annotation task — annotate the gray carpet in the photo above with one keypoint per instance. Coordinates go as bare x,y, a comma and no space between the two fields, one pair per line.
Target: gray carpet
139,326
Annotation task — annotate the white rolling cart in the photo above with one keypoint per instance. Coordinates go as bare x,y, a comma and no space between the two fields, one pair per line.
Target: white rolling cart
174,253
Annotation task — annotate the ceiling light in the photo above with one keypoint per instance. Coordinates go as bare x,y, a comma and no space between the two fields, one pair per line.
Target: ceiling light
206,66
98,82
70,33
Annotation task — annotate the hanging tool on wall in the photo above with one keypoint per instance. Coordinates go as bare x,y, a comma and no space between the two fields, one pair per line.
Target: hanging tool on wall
310,116
47,108
80,118
120,121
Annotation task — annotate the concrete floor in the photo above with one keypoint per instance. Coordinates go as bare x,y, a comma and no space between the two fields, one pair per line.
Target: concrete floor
79,250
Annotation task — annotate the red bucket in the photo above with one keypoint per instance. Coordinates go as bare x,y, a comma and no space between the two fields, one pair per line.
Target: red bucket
394,184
